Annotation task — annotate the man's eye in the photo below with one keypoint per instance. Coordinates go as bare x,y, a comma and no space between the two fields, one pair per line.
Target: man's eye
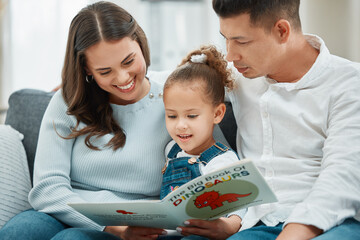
192,116
242,43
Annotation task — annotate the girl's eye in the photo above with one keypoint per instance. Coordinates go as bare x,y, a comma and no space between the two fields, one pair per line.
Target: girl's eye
129,62
192,116
171,116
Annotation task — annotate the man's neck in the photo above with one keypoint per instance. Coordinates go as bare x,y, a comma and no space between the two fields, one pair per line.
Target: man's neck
297,61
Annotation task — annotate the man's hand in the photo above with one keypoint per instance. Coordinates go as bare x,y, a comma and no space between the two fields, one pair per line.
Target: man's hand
135,233
218,229
297,231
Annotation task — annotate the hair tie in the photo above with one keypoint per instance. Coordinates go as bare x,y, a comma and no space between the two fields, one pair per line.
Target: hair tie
200,58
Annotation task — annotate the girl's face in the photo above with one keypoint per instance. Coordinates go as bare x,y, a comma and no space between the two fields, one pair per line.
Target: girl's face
190,118
119,68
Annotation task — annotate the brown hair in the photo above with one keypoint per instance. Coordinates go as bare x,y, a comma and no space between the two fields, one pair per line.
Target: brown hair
263,13
213,72
101,21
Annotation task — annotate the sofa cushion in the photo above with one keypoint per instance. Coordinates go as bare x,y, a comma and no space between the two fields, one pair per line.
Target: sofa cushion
15,178
228,126
26,109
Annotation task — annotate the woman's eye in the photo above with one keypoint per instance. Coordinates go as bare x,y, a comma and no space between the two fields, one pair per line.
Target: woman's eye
105,73
171,116
192,116
129,62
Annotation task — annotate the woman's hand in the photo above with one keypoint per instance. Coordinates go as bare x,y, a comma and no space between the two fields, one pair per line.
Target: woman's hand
218,229
134,233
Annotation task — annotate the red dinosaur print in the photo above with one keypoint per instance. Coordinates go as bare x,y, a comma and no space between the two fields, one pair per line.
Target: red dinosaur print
124,212
215,200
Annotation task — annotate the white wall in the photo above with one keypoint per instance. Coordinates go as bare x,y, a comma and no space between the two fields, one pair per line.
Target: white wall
337,22
35,34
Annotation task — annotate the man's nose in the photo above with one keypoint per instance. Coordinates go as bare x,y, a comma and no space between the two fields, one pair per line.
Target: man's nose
232,53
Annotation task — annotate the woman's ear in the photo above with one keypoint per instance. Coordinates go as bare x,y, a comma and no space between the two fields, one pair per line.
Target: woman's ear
219,113
87,71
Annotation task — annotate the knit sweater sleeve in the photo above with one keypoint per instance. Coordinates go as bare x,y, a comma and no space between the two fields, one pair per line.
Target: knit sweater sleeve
52,189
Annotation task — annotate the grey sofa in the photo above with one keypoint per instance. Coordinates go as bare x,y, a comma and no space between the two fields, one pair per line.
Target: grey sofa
27,106
26,109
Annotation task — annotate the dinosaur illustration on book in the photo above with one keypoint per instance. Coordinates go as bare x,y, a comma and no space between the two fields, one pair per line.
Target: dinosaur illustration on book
215,200
124,212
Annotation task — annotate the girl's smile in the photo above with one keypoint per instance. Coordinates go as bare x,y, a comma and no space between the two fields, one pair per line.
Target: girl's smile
190,119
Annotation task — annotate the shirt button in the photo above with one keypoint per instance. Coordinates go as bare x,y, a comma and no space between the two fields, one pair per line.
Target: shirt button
265,114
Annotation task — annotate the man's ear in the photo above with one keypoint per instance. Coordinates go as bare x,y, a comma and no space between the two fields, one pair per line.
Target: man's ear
219,113
282,30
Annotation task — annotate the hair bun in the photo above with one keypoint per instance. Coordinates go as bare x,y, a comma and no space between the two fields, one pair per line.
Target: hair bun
198,58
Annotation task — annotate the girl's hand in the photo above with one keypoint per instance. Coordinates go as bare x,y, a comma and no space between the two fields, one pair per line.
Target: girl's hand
134,233
218,229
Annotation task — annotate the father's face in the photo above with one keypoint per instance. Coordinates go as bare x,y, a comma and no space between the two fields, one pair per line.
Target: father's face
252,50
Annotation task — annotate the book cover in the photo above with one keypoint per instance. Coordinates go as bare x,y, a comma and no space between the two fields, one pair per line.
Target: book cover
236,186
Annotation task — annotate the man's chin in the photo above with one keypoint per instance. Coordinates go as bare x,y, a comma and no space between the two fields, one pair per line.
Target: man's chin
249,75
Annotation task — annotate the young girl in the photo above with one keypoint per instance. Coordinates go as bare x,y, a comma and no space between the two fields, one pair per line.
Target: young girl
194,104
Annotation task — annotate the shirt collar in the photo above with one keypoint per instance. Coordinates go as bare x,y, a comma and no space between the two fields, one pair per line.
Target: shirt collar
311,77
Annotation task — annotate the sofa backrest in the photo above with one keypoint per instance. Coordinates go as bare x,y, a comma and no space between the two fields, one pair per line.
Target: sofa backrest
27,107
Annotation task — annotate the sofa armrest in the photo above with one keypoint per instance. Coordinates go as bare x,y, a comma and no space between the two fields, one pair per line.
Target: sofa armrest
26,109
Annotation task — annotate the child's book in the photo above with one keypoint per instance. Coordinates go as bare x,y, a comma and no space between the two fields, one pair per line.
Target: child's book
236,186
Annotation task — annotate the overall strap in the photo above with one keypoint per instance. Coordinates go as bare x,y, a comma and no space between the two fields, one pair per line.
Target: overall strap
175,149
215,150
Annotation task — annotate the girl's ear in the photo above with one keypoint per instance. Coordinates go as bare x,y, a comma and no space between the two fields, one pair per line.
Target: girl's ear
219,113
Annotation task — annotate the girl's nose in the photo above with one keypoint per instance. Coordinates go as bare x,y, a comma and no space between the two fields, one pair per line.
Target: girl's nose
181,124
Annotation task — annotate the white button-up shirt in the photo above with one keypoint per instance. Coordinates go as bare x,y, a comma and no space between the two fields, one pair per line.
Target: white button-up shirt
305,139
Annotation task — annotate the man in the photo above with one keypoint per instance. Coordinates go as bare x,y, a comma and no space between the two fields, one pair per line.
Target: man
297,109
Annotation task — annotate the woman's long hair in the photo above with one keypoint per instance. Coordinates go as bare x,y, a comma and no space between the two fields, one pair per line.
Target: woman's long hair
101,21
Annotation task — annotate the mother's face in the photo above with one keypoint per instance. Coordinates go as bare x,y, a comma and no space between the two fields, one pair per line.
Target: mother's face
118,68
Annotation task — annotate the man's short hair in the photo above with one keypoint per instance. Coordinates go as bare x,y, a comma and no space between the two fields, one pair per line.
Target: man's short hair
263,13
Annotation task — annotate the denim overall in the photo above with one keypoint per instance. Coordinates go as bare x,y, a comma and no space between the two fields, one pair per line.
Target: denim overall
183,169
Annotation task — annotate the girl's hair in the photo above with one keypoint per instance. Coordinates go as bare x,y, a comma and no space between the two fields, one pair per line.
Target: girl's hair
212,71
101,21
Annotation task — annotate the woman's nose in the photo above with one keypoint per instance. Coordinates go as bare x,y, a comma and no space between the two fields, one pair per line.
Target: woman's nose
122,77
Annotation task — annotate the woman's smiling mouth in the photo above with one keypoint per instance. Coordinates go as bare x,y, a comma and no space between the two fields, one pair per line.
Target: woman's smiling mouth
128,87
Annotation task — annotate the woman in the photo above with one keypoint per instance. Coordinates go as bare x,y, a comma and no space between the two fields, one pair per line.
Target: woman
103,135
